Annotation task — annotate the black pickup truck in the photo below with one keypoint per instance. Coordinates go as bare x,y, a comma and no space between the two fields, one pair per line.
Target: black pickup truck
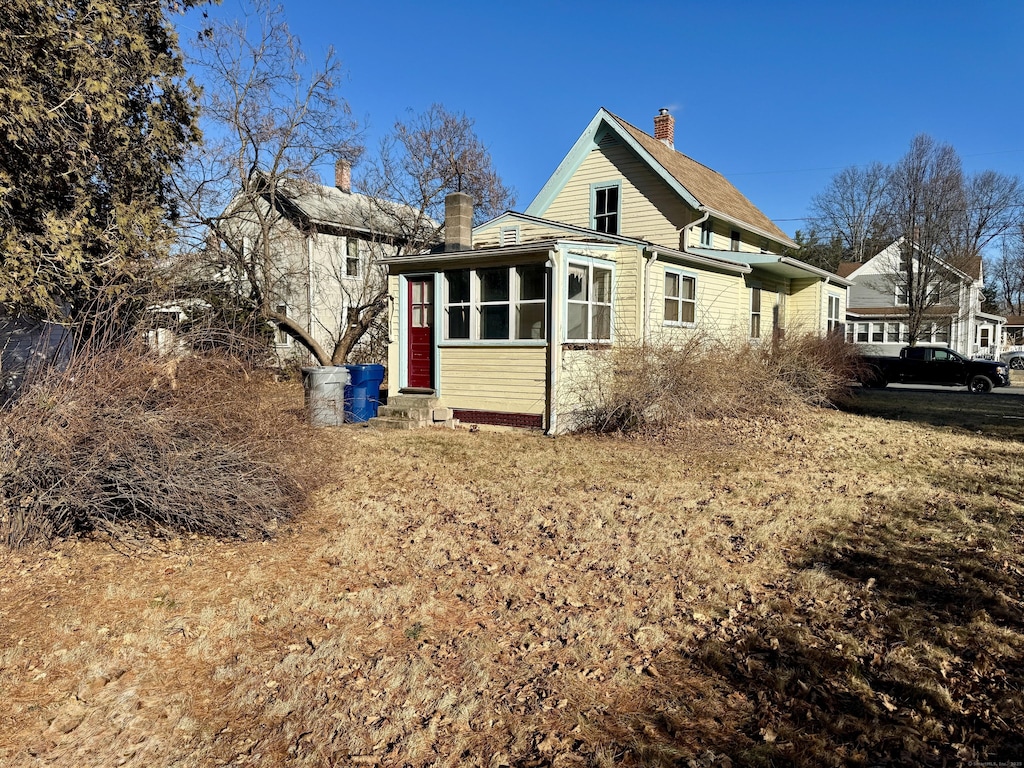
934,365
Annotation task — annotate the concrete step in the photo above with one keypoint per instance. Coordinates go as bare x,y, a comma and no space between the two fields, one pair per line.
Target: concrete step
405,412
387,422
412,412
412,401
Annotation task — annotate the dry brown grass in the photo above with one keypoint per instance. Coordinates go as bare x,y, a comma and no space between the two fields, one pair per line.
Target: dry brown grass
836,590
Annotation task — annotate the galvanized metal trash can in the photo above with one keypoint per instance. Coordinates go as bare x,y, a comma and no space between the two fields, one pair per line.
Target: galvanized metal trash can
325,394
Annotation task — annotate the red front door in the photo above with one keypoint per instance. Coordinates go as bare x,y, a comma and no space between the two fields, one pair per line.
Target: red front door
421,333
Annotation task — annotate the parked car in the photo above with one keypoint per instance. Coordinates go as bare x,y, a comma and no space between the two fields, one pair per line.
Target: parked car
1013,359
934,365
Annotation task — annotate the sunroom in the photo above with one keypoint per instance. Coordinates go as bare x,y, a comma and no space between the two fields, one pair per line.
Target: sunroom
483,330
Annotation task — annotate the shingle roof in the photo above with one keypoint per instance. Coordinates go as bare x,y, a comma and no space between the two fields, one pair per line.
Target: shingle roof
970,266
330,206
709,187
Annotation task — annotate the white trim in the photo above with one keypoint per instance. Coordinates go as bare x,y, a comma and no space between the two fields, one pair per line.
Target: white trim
403,329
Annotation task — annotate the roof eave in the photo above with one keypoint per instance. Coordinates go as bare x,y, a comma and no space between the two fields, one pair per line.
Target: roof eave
700,260
492,253
752,228
830,277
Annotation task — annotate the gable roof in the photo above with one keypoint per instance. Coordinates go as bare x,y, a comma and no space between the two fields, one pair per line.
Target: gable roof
699,186
970,267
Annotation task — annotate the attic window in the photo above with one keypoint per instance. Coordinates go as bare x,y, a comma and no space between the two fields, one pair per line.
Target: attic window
606,208
734,241
510,235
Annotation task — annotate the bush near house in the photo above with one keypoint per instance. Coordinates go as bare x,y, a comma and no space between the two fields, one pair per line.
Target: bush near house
650,388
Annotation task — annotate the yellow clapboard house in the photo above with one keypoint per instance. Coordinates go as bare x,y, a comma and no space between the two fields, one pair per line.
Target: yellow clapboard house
629,241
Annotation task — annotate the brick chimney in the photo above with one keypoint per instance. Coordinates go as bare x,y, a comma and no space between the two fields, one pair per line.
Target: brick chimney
665,128
458,222
343,175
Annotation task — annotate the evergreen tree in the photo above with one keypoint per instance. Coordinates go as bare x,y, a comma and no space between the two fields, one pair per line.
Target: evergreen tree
95,112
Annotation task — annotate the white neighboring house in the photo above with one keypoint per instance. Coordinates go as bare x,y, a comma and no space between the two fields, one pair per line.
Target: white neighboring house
325,246
876,315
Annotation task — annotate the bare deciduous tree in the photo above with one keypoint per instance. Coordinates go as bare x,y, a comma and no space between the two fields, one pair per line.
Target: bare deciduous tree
941,218
1006,273
852,210
270,118
925,201
274,121
422,160
404,187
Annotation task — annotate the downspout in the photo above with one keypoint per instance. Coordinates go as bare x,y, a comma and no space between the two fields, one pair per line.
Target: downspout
553,356
695,222
651,256
309,285
684,238
691,225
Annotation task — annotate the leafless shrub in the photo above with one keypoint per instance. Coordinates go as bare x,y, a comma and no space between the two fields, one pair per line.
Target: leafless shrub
124,439
647,388
815,369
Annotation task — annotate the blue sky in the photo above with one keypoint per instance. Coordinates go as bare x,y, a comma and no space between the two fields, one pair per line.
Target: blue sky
777,96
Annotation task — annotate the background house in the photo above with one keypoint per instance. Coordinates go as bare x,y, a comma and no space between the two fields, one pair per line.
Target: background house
628,241
877,315
319,266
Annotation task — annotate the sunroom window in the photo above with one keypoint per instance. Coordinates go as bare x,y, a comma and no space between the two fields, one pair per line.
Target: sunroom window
496,303
530,303
589,303
458,304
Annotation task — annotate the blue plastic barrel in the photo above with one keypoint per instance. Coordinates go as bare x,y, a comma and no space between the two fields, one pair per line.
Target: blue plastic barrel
362,393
